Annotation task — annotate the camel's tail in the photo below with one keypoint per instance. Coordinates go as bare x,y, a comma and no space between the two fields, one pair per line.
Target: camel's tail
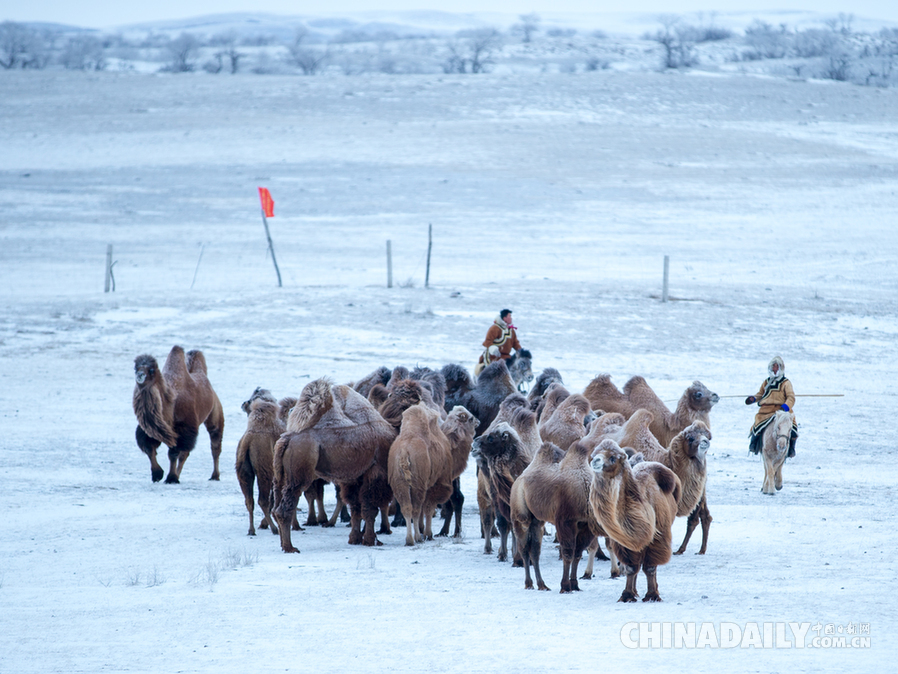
314,401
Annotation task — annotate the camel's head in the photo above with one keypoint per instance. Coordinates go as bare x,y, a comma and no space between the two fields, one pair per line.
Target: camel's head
697,439
589,418
545,379
701,398
260,392
502,440
461,416
145,368
609,460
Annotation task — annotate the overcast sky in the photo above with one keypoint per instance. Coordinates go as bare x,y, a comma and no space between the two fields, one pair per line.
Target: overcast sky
107,13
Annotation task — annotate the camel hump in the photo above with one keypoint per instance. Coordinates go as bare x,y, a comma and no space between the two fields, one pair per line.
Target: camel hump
667,480
175,366
314,402
548,453
642,417
196,361
636,382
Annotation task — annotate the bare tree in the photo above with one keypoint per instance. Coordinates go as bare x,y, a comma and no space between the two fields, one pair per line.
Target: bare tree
83,52
767,41
473,51
528,26
675,38
228,49
309,60
16,44
183,51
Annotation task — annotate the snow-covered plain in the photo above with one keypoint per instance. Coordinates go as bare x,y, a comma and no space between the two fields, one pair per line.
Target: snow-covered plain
556,195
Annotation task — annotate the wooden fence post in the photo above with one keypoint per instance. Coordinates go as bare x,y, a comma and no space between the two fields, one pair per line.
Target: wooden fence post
666,278
389,265
429,246
108,282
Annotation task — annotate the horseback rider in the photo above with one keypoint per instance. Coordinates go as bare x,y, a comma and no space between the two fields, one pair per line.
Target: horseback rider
501,340
775,394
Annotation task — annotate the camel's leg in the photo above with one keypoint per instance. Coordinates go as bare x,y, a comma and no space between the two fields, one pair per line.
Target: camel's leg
453,507
651,593
701,513
705,515
566,534
516,560
615,566
175,464
247,482
310,503
385,521
531,546
149,446
502,525
630,594
215,426
285,512
428,522
487,526
355,525
337,510
411,531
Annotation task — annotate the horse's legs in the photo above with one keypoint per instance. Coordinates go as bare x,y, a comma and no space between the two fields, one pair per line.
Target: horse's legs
778,477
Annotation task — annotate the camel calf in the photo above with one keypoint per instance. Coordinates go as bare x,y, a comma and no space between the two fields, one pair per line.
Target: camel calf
423,462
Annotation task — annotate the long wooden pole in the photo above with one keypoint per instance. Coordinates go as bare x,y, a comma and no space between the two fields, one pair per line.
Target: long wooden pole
389,264
429,246
271,248
108,267
666,276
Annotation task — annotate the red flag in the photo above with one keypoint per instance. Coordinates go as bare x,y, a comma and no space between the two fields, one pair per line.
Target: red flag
267,202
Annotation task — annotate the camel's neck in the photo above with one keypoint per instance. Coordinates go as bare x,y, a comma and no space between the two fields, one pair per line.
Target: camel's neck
625,517
154,408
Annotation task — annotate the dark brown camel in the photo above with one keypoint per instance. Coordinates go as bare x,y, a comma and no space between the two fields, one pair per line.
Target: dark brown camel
170,404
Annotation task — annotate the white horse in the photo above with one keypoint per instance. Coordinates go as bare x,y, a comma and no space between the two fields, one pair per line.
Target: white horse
776,446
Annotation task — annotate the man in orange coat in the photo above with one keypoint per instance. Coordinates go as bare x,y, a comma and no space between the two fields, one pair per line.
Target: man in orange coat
501,340
775,394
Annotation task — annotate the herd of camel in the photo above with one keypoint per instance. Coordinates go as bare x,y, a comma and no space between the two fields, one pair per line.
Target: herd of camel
606,463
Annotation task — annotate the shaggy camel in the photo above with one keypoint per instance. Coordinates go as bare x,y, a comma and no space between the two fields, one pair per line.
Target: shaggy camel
255,453
170,405
554,488
694,405
483,399
776,448
556,395
380,376
566,424
515,411
333,433
424,461
636,507
504,458
685,455
536,398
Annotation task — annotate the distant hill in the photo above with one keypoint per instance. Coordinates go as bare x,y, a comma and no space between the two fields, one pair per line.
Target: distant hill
327,26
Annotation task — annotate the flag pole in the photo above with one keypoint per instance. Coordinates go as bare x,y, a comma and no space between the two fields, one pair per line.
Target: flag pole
268,211
271,248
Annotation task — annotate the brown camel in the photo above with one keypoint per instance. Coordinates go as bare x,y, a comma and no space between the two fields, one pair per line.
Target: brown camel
694,405
565,425
333,433
424,461
555,395
255,453
685,455
554,488
636,507
170,405
776,448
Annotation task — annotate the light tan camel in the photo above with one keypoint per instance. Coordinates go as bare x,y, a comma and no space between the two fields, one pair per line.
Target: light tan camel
694,405
554,488
636,507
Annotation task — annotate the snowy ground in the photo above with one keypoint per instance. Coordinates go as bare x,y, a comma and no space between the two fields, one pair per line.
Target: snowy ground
555,195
